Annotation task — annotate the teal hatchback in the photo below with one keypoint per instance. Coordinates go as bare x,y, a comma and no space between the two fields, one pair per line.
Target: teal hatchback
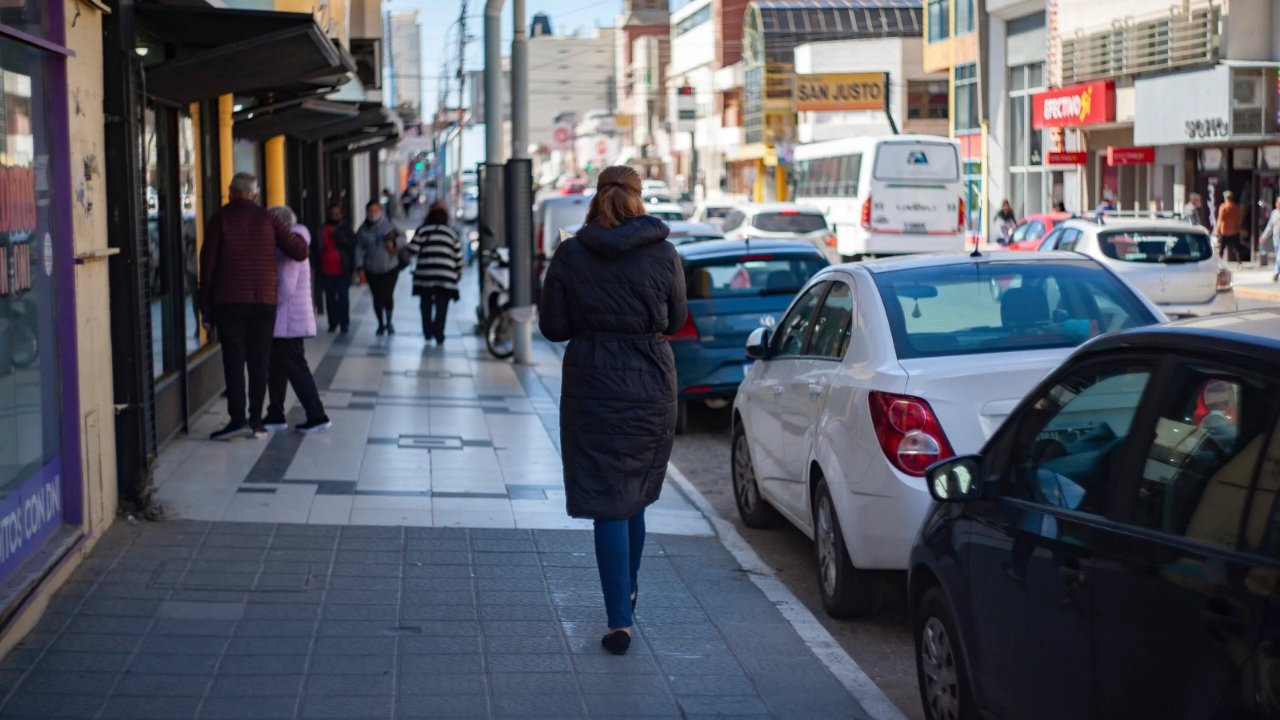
734,287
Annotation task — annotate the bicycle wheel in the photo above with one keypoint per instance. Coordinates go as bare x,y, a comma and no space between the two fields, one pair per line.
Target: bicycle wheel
499,335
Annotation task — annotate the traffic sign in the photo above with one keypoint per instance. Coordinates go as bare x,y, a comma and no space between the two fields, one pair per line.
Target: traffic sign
602,149
562,137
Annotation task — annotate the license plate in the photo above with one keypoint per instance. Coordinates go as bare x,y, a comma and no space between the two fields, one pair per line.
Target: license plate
913,227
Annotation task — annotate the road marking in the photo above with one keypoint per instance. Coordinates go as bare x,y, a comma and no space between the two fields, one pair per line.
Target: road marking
1255,293
846,670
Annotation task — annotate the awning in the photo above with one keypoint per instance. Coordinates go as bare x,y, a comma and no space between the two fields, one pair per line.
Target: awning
293,118
371,119
239,51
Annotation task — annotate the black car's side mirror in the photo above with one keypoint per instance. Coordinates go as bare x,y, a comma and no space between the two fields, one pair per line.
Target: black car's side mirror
758,344
956,480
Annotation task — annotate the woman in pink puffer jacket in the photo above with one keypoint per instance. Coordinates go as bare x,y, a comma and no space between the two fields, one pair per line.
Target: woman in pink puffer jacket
295,321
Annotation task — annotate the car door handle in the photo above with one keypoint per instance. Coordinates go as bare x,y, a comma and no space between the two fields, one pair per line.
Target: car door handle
815,390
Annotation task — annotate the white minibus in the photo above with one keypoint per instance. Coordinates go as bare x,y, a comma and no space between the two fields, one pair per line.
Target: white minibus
887,195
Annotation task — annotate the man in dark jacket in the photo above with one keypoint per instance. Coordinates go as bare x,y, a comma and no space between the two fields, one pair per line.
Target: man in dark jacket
238,295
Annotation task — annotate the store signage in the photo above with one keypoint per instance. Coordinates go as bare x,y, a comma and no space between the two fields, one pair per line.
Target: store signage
841,91
29,515
1088,104
1131,156
17,199
1208,128
1068,158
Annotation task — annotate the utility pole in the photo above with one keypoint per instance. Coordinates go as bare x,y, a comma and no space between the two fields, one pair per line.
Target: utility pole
492,235
520,191
462,59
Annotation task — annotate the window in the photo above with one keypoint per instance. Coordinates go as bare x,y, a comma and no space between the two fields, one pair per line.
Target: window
834,324
795,326
1026,157
1069,238
1066,446
985,308
1156,247
926,100
964,16
828,177
966,77
1262,531
939,20
750,275
1207,441
912,161
789,222
698,18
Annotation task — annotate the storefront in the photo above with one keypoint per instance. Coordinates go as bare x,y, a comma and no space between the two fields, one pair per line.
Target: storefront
1074,126
41,495
1214,130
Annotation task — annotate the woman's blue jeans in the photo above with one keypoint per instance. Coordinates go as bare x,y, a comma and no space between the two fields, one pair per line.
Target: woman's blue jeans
619,545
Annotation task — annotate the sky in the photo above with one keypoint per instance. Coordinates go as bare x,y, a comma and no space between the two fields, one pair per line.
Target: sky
437,17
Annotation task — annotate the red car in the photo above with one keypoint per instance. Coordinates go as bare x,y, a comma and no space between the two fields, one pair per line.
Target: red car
574,187
1028,234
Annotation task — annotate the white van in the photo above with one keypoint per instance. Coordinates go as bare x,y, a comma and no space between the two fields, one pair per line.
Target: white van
554,214
887,195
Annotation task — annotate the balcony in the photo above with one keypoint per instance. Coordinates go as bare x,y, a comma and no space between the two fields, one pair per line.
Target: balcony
1136,46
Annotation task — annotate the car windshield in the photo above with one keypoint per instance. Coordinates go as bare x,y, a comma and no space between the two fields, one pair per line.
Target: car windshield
717,212
1159,246
753,275
1003,307
789,222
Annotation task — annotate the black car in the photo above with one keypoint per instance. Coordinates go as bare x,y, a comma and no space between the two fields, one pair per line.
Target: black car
1114,551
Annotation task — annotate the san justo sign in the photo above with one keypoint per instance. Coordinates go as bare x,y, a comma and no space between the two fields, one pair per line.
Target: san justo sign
841,91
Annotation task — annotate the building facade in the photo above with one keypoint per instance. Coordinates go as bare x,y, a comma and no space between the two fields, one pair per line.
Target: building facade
405,52
952,46
642,50
1019,168
568,75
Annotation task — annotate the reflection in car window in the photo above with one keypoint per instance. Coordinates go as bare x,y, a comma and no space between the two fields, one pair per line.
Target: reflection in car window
834,323
1210,433
1001,307
795,326
750,275
1156,246
1066,446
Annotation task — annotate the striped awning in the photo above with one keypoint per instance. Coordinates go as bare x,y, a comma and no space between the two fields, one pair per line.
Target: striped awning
788,23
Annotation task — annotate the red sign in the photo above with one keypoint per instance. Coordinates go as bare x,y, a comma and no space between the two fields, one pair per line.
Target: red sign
1131,156
1068,158
602,148
1088,104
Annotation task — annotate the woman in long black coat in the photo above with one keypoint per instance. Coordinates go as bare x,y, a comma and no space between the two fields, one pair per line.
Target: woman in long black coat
614,291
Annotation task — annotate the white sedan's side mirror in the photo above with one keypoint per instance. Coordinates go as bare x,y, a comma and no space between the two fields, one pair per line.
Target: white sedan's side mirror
758,343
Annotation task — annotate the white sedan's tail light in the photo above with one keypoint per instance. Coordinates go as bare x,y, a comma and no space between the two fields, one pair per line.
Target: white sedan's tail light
909,433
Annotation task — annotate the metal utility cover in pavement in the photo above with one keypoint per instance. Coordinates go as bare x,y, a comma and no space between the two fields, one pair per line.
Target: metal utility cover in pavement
430,442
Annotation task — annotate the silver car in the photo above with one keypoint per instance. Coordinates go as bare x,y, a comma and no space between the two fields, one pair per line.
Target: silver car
1171,262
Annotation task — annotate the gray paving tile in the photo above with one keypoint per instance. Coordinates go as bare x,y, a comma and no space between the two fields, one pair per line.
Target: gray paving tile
55,706
530,663
349,664
441,645
440,612
149,708
557,706
256,685
523,683
724,705
415,665
248,707
81,683
268,645
162,685
346,684
425,707
346,708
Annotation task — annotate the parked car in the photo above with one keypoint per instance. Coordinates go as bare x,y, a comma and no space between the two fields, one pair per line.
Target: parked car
687,203
1032,230
778,221
683,233
666,212
648,187
573,187
836,421
554,214
733,287
1112,551
712,213
1170,261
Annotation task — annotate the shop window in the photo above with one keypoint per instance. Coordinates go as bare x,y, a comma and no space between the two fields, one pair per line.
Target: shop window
30,402
171,237
926,100
966,81
939,20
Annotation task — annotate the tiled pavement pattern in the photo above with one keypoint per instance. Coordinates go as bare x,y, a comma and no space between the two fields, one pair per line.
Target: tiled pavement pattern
187,619
422,436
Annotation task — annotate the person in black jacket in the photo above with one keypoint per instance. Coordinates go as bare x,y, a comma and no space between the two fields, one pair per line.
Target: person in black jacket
614,291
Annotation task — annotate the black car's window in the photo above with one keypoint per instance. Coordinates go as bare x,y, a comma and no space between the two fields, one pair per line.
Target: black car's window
1262,533
794,328
834,323
1207,440
1070,439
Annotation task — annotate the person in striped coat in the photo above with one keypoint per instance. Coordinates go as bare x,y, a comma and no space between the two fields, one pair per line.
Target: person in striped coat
438,270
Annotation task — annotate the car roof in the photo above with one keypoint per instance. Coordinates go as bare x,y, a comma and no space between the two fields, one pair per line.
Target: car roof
1114,223
663,206
718,248
692,228
1057,217
564,200
1244,332
912,262
757,208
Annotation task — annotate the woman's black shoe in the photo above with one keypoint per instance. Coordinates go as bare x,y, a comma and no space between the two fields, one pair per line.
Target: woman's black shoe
617,642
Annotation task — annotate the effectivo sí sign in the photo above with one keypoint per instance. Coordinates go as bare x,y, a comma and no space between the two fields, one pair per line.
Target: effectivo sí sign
841,91
1088,104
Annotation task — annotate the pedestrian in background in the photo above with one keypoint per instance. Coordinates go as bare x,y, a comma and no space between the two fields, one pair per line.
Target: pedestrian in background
614,291
1230,217
239,292
337,264
1269,240
1191,210
1006,221
295,321
378,245
437,272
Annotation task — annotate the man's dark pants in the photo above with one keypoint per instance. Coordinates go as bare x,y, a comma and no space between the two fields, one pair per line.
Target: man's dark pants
245,332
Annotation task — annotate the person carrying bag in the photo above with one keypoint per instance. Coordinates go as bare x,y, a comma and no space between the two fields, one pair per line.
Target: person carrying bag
435,278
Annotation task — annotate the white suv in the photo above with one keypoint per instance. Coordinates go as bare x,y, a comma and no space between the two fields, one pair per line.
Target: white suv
1169,261
782,221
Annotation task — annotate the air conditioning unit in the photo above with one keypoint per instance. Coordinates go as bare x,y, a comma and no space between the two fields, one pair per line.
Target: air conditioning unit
1247,103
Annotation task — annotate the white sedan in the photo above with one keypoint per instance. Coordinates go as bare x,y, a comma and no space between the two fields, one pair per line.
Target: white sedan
878,370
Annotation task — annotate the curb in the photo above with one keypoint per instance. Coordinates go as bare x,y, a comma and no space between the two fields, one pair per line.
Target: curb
845,669
1257,293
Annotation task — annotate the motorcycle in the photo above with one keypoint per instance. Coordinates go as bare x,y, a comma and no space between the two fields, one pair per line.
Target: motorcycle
497,323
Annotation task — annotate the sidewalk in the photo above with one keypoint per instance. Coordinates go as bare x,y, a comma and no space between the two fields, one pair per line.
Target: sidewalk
1256,283
412,562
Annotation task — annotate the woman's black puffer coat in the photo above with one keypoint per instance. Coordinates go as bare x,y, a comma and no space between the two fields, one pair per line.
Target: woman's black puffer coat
613,294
